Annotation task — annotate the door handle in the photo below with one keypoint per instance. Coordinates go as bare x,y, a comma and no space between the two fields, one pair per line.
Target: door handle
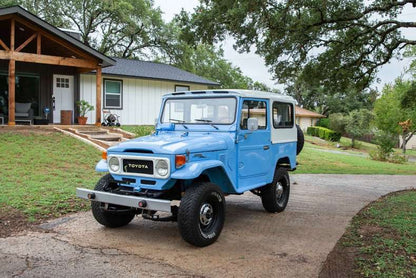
266,147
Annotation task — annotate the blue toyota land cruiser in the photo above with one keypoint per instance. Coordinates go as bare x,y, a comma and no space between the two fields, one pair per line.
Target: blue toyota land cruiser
207,144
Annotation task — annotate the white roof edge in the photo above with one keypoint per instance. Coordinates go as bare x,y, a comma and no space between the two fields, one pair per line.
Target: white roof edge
239,92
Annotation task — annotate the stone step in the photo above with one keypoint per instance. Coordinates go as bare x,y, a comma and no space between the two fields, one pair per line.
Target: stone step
107,137
93,132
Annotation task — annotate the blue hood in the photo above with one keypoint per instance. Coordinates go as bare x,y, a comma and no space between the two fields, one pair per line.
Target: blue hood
176,143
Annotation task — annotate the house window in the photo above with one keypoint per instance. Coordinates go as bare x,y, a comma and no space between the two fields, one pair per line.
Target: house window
113,90
254,109
62,82
181,88
282,115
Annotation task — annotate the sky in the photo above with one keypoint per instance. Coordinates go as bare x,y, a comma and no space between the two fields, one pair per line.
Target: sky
253,65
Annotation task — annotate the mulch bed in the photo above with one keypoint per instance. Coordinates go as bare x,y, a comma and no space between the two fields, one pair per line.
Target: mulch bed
12,221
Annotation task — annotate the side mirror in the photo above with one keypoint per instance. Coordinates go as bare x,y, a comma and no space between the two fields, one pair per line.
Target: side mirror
252,124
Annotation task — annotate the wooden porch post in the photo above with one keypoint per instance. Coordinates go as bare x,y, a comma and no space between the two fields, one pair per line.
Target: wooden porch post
98,98
12,80
12,77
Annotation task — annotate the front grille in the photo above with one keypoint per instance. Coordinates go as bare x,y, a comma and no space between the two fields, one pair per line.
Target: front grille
138,166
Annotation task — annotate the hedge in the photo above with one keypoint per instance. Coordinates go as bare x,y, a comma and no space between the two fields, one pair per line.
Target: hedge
324,133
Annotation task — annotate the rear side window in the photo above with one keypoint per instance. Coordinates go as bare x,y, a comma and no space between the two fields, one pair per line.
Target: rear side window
254,109
282,115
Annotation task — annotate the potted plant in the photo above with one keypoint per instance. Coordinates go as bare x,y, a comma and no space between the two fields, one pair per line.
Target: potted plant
84,108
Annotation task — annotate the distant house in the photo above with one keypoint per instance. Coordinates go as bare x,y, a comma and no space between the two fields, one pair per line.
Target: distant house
43,66
411,144
306,118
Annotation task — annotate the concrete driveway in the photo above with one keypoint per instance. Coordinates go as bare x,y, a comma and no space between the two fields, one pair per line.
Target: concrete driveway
253,243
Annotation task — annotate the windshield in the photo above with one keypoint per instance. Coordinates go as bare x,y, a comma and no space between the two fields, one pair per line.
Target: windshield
199,110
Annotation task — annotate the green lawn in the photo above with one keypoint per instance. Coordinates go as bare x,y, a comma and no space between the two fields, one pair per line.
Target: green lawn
41,171
346,144
139,130
384,234
316,161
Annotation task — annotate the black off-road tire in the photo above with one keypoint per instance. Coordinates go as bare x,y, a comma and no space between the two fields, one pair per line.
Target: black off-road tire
111,219
301,140
272,198
201,214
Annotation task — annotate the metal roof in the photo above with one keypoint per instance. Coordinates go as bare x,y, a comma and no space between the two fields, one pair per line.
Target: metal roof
106,61
234,92
152,70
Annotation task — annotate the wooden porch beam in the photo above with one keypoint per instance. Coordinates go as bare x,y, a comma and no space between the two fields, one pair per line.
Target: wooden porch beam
31,38
6,17
12,80
54,39
4,45
98,76
39,44
47,59
12,35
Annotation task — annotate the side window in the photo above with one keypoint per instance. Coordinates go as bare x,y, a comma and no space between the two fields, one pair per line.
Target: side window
254,109
113,90
282,115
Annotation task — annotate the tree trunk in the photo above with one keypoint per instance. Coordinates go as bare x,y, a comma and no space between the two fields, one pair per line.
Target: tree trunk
404,145
353,141
406,138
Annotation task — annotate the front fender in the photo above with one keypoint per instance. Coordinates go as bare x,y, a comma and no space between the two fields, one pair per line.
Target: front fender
193,170
101,166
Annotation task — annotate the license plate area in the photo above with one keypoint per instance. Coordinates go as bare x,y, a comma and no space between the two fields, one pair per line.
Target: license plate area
138,166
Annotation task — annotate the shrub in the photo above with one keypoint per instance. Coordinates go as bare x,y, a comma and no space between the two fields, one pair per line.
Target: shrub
143,130
324,133
398,158
323,122
386,142
337,122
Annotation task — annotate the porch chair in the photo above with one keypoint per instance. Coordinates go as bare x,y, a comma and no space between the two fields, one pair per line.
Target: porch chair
24,111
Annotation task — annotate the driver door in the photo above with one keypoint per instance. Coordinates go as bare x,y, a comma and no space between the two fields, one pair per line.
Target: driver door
254,152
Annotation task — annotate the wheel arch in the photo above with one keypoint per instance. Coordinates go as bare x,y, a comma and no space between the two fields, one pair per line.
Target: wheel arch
218,176
210,170
283,162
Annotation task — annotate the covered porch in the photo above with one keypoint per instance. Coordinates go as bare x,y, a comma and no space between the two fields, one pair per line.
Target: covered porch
40,67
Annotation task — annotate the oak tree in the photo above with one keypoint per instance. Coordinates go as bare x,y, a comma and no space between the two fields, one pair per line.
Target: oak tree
341,43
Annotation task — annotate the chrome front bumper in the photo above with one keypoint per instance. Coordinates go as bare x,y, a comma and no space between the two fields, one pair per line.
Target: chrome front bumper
125,200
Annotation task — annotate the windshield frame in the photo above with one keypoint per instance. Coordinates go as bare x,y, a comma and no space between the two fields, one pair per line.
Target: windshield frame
199,123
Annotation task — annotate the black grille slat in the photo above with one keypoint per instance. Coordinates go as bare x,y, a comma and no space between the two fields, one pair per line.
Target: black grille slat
138,166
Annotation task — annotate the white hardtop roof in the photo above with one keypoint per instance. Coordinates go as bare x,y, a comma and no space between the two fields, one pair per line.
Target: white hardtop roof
233,92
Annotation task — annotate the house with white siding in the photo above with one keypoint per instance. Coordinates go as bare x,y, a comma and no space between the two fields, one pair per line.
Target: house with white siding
133,89
44,68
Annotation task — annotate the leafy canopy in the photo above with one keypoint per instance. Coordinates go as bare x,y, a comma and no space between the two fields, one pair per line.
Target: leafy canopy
340,43
392,108
135,29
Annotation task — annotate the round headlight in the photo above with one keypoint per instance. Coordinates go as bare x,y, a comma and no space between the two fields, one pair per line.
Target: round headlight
114,164
162,168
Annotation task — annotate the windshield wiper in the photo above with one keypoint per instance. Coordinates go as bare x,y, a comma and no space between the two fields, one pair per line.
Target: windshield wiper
207,121
180,122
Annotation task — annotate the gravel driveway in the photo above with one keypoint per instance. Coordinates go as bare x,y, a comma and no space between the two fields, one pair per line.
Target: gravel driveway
253,243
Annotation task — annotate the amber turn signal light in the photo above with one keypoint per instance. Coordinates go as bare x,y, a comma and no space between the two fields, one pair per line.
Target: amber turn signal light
104,155
180,160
